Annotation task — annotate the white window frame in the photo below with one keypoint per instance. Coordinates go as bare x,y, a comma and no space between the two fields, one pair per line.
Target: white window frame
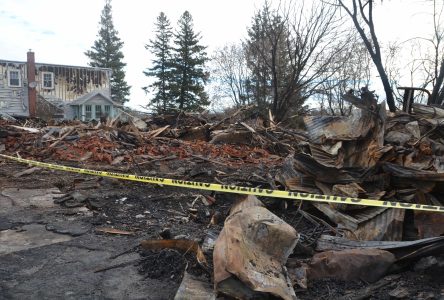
52,80
19,78
90,112
96,111
107,111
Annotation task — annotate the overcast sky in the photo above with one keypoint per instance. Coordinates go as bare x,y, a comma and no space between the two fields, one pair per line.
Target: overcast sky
60,32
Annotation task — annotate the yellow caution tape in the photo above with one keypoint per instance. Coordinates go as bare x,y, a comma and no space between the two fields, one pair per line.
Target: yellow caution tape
234,189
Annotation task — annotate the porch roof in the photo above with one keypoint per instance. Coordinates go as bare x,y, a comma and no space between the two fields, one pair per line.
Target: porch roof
85,98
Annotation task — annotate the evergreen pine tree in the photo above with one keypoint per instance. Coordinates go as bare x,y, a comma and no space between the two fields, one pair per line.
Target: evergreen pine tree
273,79
106,53
188,89
257,62
162,65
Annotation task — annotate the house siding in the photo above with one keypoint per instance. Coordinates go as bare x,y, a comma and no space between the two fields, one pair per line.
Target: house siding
71,83
13,100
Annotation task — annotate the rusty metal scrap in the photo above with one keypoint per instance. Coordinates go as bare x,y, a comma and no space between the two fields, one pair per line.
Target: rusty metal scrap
428,225
323,128
350,264
253,248
369,155
385,226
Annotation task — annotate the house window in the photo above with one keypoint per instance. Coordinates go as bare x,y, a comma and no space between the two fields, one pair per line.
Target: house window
48,80
76,110
88,112
108,110
14,78
98,111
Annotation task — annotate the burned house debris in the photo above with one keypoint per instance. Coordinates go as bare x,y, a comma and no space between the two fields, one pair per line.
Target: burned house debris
166,242
53,91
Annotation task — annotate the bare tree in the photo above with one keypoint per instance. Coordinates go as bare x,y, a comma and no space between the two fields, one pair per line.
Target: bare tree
418,67
230,74
352,70
437,59
361,13
425,66
291,49
393,67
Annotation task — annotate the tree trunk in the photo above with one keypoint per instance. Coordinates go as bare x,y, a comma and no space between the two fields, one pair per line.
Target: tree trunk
373,47
387,87
434,98
275,83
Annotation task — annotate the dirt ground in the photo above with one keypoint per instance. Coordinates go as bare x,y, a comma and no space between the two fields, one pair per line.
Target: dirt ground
51,251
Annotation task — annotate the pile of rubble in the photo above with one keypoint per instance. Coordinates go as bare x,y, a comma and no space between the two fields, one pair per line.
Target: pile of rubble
369,154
